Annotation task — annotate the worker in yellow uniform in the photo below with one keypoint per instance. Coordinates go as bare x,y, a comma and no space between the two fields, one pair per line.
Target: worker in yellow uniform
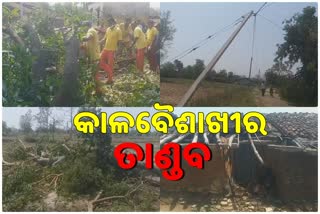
140,43
152,32
92,44
92,47
112,37
126,30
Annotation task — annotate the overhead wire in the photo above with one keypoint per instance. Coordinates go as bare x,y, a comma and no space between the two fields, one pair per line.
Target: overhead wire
263,6
205,41
278,26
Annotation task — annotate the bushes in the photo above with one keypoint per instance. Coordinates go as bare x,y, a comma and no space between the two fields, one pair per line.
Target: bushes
82,178
17,188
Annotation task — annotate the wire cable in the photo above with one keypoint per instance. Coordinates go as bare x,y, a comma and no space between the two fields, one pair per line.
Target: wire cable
261,8
205,41
278,26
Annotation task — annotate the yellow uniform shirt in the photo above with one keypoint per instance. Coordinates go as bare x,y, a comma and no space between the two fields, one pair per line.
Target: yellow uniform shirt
112,38
93,46
138,34
126,32
151,34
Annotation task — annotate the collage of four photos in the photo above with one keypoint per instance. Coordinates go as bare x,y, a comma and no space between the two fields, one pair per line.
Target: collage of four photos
173,61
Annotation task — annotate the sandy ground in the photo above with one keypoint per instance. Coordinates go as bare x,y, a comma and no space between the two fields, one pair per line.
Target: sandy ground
269,101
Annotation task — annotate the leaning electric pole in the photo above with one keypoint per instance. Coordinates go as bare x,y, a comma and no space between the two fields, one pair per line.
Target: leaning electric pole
213,62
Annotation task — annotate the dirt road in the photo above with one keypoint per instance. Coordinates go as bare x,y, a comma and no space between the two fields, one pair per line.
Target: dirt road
269,101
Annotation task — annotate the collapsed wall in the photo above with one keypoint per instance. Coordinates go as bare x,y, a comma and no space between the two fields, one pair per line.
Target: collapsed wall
294,170
210,179
290,161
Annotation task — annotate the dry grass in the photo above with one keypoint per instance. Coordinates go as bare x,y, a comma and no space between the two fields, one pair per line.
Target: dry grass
208,94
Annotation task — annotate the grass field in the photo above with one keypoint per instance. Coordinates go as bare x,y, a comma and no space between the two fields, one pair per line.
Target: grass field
208,94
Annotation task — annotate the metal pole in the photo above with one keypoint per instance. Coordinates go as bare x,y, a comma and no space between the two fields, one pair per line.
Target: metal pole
213,62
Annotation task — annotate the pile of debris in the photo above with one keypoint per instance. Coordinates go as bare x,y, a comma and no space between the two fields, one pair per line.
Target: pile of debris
244,201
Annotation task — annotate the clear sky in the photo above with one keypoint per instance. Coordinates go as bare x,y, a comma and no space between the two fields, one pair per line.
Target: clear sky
12,115
195,21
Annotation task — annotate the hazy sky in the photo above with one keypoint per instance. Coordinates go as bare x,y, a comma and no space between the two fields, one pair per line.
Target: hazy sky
195,21
12,115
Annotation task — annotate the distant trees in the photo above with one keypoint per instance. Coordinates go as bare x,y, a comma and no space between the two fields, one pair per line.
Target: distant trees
43,118
177,70
5,129
25,122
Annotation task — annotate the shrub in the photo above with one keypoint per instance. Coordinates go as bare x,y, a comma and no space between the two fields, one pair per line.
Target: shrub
17,189
82,178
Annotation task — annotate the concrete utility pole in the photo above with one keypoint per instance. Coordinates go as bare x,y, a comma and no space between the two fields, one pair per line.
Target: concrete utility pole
254,29
213,62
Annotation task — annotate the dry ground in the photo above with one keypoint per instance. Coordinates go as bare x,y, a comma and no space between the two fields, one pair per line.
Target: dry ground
208,94
216,94
269,101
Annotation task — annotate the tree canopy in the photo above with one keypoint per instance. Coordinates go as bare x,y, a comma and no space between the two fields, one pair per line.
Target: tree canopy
300,48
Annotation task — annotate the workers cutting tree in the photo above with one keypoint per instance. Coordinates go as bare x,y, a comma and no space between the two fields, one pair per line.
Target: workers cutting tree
123,42
112,37
126,36
152,32
140,44
82,54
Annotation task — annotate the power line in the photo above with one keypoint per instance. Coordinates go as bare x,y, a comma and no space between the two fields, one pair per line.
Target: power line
261,8
205,41
278,26
268,5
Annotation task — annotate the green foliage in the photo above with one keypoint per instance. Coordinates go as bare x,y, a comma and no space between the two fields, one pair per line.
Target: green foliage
82,178
301,48
17,189
19,154
133,89
23,87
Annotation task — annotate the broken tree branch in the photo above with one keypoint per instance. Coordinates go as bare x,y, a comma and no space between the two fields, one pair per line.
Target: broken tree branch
255,150
20,141
92,204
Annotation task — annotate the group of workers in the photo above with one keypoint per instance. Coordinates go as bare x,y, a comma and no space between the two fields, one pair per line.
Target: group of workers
119,36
